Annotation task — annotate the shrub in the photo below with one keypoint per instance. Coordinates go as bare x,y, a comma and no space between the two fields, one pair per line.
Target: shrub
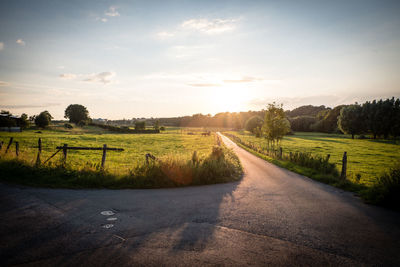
68,126
386,191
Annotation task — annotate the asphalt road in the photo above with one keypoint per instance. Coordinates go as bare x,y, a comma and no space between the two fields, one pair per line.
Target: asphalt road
270,217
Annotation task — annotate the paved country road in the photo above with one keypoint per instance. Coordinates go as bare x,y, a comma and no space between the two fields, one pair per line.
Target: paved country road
270,217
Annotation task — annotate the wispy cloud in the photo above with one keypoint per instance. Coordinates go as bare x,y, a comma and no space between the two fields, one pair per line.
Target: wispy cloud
244,79
68,76
1,46
44,105
213,26
204,84
112,12
102,77
165,34
3,83
105,77
20,42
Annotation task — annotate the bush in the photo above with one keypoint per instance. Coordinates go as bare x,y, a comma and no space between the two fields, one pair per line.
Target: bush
68,126
386,191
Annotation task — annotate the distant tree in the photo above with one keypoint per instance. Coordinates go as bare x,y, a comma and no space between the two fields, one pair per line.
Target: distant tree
302,123
329,123
23,121
43,119
140,125
275,125
351,120
157,125
254,123
308,110
76,113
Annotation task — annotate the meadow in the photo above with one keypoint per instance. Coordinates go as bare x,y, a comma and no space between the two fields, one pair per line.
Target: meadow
173,142
365,157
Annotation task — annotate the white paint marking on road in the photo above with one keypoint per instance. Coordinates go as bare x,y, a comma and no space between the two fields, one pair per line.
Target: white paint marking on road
107,213
112,219
107,226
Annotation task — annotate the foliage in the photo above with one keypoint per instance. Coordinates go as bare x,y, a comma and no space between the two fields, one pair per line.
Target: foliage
140,125
43,119
124,129
157,125
23,121
386,190
162,128
76,113
351,120
275,124
329,123
309,111
302,123
68,126
6,119
253,124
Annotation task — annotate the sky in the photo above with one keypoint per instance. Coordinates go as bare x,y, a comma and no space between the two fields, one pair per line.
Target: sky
129,59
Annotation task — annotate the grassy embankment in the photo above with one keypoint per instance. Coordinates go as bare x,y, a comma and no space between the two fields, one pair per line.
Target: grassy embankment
174,166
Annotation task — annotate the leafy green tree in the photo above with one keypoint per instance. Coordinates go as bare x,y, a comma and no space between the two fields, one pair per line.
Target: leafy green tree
351,120
76,113
43,119
254,123
157,125
276,125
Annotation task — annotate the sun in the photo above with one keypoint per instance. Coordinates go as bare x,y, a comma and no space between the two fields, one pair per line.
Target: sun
231,99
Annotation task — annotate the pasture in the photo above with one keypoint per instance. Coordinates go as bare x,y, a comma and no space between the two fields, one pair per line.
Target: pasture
174,143
366,157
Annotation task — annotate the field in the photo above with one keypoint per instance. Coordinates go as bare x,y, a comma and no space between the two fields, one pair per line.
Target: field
366,157
173,142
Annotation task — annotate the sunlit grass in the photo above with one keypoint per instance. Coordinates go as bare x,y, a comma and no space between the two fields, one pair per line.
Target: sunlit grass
367,157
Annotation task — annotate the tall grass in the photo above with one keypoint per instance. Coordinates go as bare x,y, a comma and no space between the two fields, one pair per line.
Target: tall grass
220,166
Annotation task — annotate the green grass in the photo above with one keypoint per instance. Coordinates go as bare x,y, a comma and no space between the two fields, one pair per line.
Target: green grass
367,157
175,164
170,142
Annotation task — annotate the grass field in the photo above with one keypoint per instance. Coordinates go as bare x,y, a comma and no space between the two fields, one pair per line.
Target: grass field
173,142
367,157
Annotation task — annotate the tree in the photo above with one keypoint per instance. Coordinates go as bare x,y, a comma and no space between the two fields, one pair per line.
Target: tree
76,113
140,125
253,123
351,120
23,121
157,125
43,119
276,125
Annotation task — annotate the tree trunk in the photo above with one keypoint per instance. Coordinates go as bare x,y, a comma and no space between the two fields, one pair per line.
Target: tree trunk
352,136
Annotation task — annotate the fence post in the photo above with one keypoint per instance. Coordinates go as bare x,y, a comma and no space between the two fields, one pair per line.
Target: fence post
344,166
9,144
1,145
16,149
65,153
328,157
103,159
39,151
280,152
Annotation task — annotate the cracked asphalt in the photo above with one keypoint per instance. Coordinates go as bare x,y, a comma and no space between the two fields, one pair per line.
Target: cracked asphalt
270,217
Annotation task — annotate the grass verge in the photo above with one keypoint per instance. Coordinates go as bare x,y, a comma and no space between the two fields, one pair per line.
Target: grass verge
221,166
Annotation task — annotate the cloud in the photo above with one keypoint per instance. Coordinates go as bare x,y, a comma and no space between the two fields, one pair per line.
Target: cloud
102,77
20,42
209,26
68,76
112,12
1,46
3,83
244,79
204,84
45,105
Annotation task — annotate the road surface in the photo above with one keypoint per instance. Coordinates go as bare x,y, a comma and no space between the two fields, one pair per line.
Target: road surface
270,217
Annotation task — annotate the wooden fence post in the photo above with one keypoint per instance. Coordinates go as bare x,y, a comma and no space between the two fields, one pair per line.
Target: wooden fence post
280,152
39,151
9,144
17,149
1,145
328,157
344,166
65,153
103,159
